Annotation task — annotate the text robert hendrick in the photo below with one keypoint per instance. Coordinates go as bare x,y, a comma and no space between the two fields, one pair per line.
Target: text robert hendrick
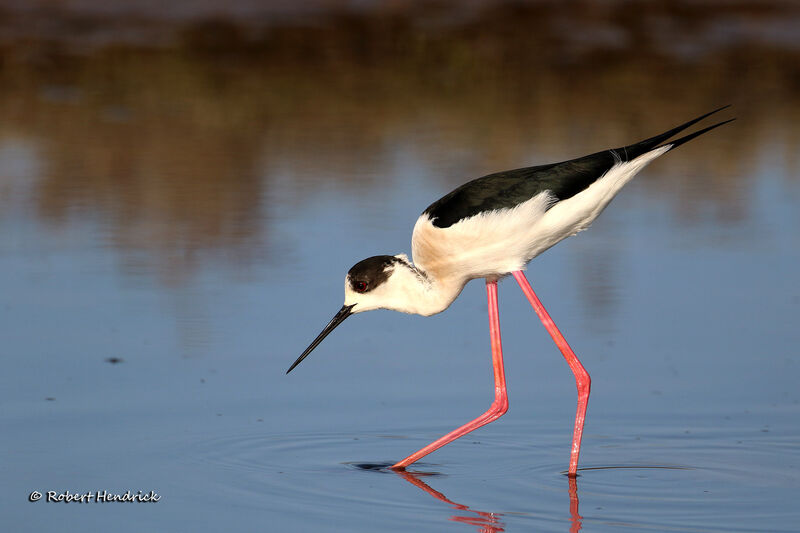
98,496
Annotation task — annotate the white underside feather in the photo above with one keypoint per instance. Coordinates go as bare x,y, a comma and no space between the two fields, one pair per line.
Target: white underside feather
495,243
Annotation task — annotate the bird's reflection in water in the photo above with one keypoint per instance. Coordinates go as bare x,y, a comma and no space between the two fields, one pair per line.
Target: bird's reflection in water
484,521
487,522
574,517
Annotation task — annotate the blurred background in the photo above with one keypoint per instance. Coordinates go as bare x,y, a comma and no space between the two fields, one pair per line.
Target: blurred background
170,123
184,184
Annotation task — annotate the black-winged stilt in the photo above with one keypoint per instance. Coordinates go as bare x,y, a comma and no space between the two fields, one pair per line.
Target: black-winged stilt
491,227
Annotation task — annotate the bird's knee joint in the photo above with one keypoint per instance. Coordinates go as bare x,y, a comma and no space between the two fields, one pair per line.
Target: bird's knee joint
499,408
584,386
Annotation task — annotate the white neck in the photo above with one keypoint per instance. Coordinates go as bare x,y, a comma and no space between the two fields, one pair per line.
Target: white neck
420,293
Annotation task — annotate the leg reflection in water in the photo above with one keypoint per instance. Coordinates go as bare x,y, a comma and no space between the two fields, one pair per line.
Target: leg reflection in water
487,522
574,517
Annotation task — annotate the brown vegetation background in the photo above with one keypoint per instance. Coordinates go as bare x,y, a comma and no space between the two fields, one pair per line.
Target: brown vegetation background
169,121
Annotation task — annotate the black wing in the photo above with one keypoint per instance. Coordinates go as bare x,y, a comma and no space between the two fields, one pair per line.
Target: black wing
563,180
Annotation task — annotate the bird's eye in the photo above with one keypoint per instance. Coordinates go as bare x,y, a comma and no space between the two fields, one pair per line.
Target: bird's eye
361,286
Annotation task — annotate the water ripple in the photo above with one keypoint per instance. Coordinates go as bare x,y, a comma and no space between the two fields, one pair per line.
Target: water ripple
497,479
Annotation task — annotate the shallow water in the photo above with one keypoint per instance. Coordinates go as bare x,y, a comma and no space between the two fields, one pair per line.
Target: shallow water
168,249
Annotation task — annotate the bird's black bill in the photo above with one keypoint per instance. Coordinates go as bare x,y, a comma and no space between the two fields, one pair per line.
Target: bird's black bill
337,319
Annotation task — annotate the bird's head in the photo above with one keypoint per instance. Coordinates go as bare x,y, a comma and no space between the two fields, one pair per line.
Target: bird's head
375,283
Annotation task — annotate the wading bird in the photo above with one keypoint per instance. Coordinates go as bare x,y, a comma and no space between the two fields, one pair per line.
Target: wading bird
491,227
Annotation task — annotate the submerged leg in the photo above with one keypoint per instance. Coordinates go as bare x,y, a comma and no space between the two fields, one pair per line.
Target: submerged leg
500,404
582,379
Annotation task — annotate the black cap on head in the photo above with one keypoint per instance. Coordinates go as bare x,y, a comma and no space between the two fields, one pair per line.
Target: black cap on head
371,272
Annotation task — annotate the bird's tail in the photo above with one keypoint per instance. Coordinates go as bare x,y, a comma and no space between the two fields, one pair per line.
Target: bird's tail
687,138
635,150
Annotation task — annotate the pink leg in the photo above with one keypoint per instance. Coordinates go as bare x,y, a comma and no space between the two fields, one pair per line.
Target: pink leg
500,404
582,378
